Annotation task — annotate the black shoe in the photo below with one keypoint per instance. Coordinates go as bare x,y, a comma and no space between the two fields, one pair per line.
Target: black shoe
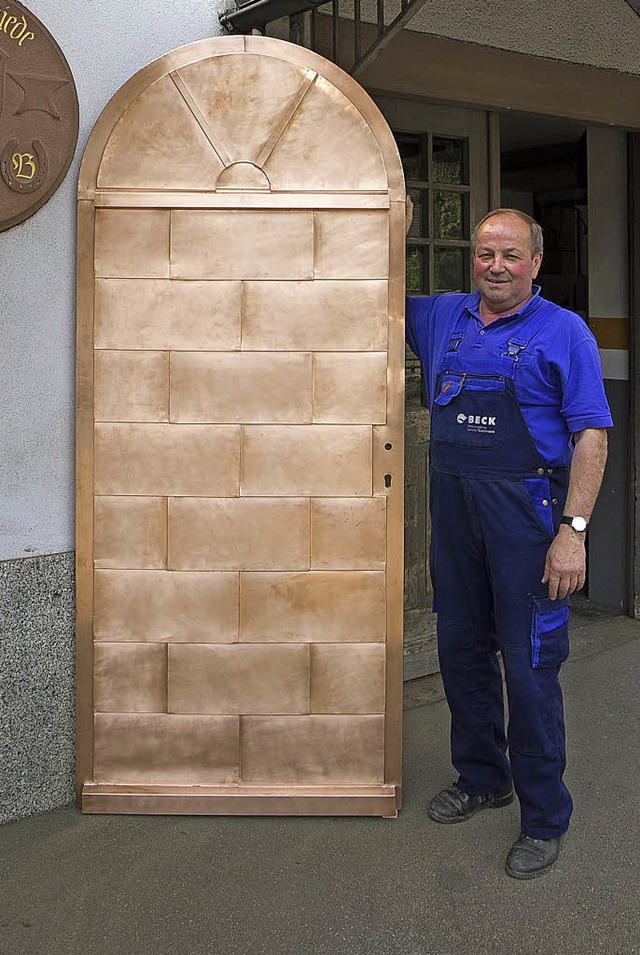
531,857
452,805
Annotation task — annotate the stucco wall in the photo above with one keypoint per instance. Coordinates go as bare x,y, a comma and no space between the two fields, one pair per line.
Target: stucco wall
104,44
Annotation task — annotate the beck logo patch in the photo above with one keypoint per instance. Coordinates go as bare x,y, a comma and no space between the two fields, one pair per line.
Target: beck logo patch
477,422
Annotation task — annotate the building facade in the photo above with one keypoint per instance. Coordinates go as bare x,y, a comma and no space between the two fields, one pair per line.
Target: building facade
538,111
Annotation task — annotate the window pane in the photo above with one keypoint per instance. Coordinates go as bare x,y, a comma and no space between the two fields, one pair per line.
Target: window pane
448,160
451,270
419,225
412,156
415,268
448,215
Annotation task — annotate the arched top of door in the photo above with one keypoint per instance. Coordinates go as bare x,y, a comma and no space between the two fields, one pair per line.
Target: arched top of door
232,117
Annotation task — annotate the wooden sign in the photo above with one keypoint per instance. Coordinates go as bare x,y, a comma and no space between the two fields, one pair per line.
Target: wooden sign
38,115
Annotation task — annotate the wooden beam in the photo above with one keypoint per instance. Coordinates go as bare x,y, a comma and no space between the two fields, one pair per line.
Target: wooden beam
467,74
634,368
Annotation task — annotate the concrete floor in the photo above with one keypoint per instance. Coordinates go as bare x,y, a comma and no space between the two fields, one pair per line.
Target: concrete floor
72,884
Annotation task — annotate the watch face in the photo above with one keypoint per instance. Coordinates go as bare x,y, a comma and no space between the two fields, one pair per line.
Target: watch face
579,524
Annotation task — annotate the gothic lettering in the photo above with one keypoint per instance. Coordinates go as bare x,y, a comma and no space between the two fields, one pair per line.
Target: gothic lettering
16,28
24,165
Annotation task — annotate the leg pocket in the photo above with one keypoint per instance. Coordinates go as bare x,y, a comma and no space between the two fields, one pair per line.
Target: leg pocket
539,492
549,632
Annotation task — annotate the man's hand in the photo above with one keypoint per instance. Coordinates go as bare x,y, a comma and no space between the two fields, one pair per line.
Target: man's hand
565,566
408,215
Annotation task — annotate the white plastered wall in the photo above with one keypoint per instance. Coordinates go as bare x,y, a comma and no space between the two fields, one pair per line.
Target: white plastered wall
104,45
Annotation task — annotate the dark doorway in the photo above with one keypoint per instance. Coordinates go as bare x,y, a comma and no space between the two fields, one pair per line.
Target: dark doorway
544,173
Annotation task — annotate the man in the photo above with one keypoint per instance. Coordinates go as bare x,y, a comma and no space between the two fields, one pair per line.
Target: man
517,454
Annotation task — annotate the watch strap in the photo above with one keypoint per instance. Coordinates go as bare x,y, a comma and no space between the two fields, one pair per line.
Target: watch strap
572,521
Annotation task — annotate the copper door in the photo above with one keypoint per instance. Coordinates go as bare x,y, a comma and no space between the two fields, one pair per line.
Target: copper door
240,401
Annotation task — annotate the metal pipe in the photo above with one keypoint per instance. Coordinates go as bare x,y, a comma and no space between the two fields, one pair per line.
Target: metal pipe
256,14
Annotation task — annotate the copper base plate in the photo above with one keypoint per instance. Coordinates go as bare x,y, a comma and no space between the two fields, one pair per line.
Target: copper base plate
245,801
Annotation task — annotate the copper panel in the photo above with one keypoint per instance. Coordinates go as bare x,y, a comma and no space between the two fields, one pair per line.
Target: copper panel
205,126
132,243
333,800
388,462
239,679
312,749
167,314
127,94
130,532
320,606
293,272
388,441
160,127
131,386
348,534
252,198
283,120
242,98
161,459
343,131
84,494
351,245
239,534
268,46
350,388
130,678
318,316
191,750
347,679
290,460
241,387
242,244
159,606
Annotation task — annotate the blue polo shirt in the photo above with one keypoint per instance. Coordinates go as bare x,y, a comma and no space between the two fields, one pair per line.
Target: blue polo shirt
558,380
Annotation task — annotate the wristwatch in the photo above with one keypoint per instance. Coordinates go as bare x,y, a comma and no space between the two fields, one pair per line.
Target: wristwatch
578,524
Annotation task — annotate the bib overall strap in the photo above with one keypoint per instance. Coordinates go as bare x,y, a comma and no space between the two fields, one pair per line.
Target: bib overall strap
519,343
459,331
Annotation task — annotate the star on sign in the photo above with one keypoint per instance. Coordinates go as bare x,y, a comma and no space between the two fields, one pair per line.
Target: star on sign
38,93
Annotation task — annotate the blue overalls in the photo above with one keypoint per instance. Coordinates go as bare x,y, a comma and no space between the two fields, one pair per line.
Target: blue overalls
495,507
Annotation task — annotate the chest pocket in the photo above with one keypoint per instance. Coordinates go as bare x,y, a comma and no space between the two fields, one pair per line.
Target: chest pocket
470,411
453,385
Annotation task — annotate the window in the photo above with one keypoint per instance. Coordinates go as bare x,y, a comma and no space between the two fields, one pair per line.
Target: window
436,170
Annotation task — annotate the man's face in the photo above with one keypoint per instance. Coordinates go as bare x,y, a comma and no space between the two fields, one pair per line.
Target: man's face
503,265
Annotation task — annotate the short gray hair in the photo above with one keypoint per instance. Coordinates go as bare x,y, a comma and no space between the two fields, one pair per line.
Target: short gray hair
535,232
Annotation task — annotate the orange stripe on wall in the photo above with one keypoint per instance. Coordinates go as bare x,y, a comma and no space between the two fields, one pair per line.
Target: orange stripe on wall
610,332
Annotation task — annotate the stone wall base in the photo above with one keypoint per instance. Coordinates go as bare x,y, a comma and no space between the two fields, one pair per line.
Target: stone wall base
37,673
